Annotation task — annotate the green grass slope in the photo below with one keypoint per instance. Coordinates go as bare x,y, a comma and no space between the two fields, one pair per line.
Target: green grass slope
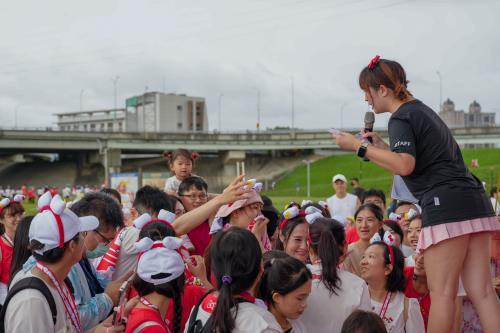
293,185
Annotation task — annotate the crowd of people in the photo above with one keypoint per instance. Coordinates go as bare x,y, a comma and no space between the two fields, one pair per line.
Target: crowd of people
188,260
188,257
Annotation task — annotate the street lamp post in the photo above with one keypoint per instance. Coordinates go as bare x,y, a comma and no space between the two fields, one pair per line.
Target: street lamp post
293,101
220,111
258,108
115,96
308,175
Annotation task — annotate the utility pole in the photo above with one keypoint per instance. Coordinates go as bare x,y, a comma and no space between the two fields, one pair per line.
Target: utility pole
258,108
293,102
115,95
308,176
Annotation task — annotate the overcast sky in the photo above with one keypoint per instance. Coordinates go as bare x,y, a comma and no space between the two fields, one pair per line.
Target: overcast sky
51,50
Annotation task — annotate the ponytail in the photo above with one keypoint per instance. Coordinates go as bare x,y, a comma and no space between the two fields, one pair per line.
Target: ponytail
327,237
177,320
236,260
223,320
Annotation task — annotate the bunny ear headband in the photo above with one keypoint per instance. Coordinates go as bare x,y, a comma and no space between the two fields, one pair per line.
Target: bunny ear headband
159,262
4,203
311,214
164,216
253,184
388,241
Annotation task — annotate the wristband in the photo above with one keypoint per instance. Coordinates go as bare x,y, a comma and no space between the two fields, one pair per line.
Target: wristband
362,149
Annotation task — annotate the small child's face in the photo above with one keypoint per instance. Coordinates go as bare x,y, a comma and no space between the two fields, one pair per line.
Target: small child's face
181,167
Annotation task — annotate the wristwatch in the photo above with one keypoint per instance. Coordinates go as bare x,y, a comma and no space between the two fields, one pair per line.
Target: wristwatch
362,149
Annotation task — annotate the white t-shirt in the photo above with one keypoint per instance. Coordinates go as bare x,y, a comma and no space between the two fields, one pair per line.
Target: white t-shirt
327,312
410,261
129,255
29,311
172,184
342,207
394,318
251,318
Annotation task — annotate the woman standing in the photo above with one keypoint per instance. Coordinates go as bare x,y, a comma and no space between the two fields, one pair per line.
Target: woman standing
457,216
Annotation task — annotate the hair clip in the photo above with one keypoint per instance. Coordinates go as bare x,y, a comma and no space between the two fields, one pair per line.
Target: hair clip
374,62
227,279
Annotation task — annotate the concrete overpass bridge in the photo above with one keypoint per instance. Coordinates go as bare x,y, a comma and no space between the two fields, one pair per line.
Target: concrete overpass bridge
57,141
108,149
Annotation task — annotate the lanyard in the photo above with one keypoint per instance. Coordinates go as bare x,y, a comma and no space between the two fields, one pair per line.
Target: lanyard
247,297
68,300
8,240
385,305
147,303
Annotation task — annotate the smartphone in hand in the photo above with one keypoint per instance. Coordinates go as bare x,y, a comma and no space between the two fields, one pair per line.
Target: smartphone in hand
118,318
334,131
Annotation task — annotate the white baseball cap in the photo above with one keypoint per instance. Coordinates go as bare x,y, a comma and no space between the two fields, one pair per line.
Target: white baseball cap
159,261
339,177
55,224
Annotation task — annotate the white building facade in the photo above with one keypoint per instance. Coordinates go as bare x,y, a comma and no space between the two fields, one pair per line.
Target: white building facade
151,112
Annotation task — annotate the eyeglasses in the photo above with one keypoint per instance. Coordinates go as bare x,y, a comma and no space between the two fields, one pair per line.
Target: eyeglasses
106,241
193,197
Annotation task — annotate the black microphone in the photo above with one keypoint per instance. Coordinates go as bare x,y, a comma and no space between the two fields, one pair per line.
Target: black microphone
369,120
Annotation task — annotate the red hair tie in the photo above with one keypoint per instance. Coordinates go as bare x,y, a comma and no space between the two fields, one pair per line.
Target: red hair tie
374,62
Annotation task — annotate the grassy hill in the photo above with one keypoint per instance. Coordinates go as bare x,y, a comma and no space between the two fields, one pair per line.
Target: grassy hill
293,185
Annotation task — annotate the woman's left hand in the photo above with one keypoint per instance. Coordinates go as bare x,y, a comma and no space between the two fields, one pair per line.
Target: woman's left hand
347,141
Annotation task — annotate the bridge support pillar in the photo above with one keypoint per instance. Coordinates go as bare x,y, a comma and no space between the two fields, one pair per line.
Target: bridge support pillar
112,162
229,160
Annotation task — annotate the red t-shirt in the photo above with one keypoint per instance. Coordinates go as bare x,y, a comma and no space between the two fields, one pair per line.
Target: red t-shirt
141,315
200,237
424,300
351,235
6,252
189,299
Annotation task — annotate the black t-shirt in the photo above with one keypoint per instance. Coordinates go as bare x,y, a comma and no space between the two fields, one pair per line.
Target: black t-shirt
445,188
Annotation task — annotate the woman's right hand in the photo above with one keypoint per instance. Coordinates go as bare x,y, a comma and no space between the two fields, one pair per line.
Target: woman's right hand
234,191
376,139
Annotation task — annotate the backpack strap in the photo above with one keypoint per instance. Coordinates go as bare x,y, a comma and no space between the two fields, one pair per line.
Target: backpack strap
405,308
196,325
29,283
145,324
